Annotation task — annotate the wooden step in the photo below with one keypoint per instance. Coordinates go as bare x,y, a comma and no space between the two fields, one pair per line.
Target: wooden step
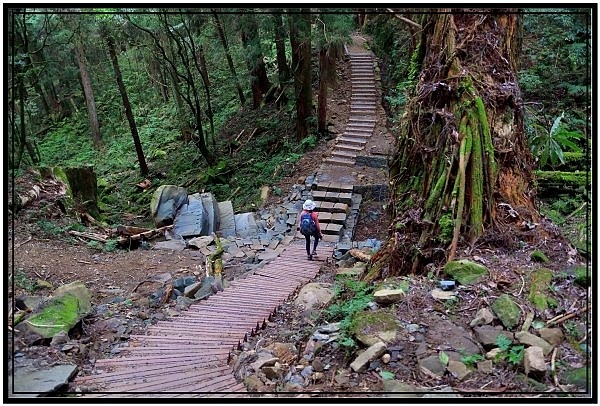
352,140
334,187
343,154
333,207
339,161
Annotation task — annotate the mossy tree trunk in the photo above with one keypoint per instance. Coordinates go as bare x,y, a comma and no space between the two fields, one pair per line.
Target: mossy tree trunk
461,167
83,186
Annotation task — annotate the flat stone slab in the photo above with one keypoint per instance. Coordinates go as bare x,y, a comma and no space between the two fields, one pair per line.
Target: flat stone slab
41,381
245,225
191,220
226,219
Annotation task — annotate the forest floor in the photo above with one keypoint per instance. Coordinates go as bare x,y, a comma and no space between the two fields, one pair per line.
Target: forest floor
38,250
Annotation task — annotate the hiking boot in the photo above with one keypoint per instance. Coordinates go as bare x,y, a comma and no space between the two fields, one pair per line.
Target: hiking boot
310,257
314,253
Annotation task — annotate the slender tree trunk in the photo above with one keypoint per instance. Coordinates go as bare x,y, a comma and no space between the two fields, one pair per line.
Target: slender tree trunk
462,168
128,112
301,67
206,82
86,83
322,107
283,69
223,39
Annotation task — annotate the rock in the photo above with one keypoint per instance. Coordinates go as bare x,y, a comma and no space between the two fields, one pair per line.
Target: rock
191,290
370,327
533,361
226,219
245,225
317,365
40,381
483,316
273,372
493,353
329,328
181,283
314,294
458,369
487,366
507,311
386,358
361,363
70,304
286,352
552,335
59,339
41,283
402,388
465,271
267,255
440,294
488,335
530,339
538,292
191,219
387,296
212,212
202,241
173,245
165,203
432,367
254,384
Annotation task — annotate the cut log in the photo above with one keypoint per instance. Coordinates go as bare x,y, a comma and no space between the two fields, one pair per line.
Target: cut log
27,198
360,255
146,235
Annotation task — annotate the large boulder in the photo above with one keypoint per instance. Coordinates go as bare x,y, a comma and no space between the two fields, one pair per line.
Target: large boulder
191,219
165,203
465,272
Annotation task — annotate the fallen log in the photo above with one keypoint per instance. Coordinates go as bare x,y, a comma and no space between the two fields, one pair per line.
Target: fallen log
360,255
89,236
146,235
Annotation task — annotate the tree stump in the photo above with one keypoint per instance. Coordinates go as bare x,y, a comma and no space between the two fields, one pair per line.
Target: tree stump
83,185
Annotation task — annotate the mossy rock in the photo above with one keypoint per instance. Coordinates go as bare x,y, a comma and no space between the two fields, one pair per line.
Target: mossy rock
539,256
371,326
540,281
465,272
61,313
507,311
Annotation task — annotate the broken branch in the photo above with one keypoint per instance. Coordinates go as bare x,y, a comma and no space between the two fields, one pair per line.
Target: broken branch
405,20
565,317
148,235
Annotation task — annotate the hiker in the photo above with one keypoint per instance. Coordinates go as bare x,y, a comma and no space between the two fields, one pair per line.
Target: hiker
309,226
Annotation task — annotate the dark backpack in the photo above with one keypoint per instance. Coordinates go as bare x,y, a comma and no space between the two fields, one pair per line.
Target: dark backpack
307,224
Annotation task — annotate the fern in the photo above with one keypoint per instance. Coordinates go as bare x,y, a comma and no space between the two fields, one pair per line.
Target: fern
549,146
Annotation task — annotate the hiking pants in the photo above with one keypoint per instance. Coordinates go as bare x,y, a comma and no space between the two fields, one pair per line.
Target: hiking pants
316,242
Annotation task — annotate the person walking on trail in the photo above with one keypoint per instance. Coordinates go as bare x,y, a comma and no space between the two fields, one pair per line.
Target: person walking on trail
309,226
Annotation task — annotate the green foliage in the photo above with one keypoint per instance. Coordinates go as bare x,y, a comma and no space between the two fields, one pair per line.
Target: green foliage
471,360
444,359
387,375
22,281
549,146
512,353
351,297
446,224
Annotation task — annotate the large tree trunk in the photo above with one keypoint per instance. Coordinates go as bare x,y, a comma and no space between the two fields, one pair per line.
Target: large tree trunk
259,82
301,67
86,83
461,168
223,39
128,112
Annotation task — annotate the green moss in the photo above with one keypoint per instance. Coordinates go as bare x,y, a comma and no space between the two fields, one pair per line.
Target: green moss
476,209
465,271
365,323
539,256
507,311
60,314
446,224
538,292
